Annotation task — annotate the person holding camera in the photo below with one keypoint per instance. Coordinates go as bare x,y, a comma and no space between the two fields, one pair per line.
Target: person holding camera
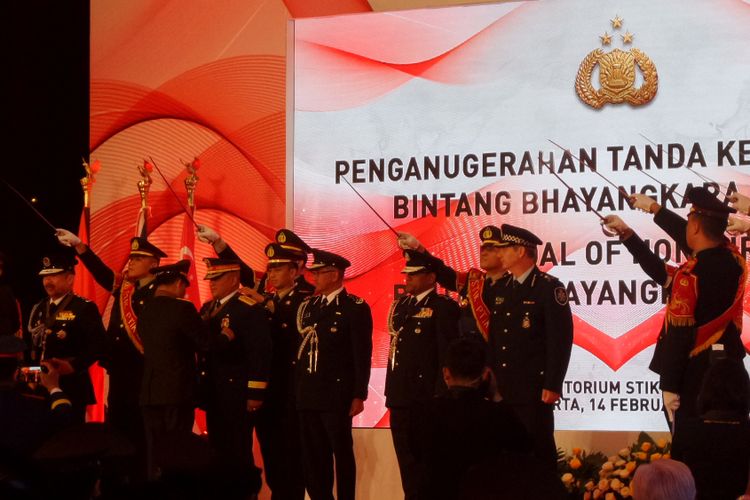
26,417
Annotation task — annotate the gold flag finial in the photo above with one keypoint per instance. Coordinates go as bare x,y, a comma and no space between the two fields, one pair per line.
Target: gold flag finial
144,185
191,181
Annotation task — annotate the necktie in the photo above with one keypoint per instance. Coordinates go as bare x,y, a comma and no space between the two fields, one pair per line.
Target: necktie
324,301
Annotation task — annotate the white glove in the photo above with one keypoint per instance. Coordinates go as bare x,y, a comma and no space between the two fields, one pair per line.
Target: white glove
738,226
206,234
408,242
642,202
741,203
615,224
671,403
67,238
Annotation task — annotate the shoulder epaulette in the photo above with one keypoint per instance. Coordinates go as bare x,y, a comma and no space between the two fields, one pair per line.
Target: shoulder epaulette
247,300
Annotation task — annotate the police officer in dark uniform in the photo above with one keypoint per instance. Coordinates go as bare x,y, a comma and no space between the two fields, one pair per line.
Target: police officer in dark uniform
477,289
422,323
66,330
278,426
531,338
332,374
286,238
705,302
172,333
122,355
236,376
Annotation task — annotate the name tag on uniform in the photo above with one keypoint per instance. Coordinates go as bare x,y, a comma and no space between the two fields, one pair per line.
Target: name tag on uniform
65,316
424,312
530,302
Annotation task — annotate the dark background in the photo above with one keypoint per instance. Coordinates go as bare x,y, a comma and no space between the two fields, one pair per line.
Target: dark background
46,132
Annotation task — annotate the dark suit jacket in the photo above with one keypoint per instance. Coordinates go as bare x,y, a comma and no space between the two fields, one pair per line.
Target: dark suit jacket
344,333
531,337
424,332
172,332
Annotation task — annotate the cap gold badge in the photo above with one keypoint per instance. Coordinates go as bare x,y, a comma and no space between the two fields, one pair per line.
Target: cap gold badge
134,245
487,234
270,252
46,262
282,237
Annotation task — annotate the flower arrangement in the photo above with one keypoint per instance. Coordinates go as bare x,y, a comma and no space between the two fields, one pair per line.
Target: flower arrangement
611,479
579,468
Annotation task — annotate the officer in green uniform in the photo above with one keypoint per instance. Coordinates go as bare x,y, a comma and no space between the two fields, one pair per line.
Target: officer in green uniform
173,333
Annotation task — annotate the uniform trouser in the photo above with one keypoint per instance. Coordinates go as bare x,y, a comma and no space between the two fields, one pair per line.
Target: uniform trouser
539,420
160,421
402,431
326,435
279,438
230,434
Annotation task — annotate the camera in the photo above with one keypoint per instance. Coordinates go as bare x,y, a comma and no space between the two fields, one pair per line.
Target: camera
31,374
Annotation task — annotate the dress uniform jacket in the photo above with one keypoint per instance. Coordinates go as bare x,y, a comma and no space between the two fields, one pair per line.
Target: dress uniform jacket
241,370
172,332
422,333
344,348
469,322
278,426
286,340
717,274
531,337
122,360
74,332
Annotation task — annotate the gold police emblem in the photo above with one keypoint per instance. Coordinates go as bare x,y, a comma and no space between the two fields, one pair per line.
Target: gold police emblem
487,234
526,323
270,252
134,245
282,237
617,74
46,262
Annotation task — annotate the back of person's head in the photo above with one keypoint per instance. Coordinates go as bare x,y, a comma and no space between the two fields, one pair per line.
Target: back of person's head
466,359
726,388
663,480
